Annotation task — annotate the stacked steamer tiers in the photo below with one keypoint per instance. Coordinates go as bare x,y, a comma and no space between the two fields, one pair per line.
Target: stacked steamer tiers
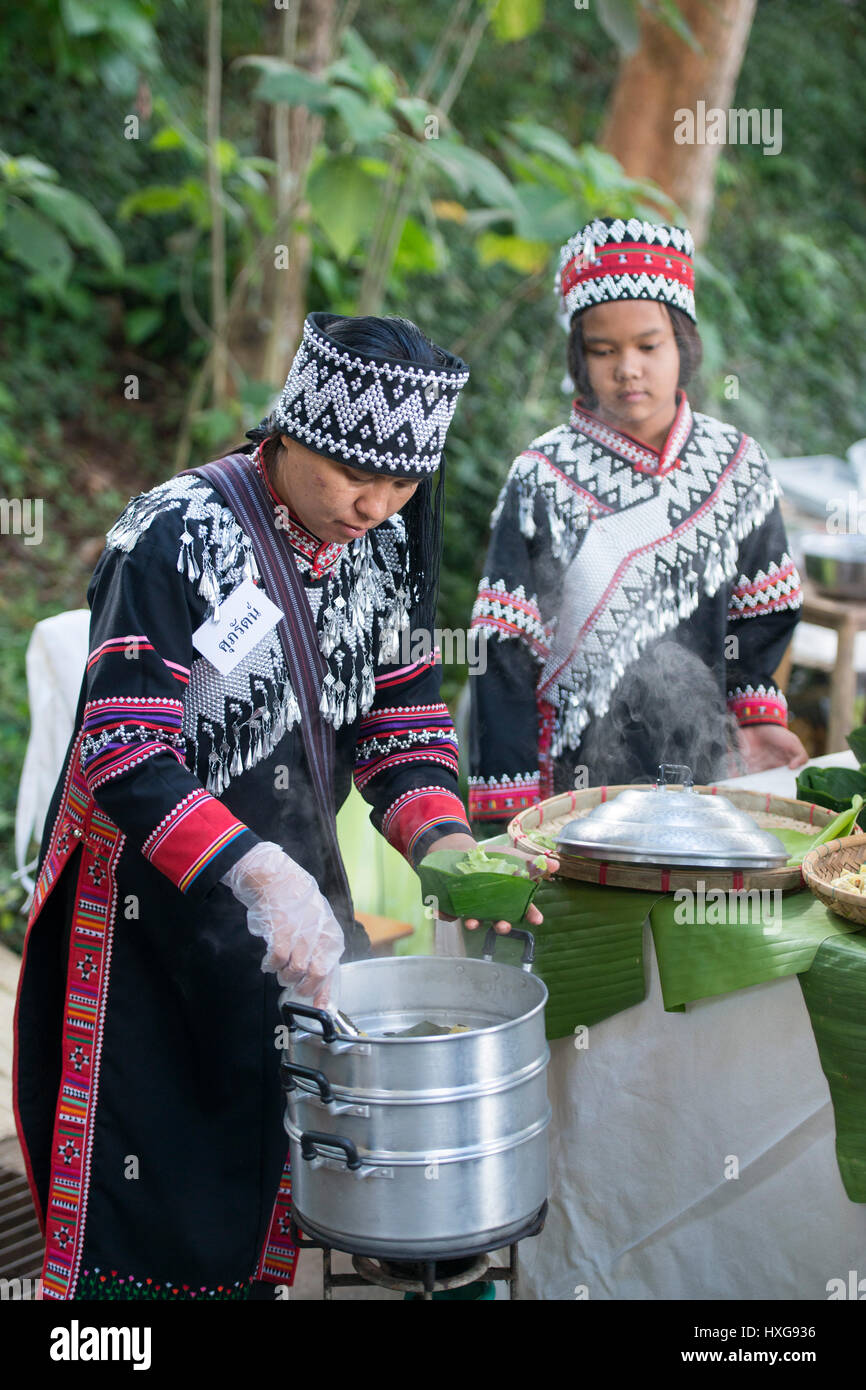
421,1149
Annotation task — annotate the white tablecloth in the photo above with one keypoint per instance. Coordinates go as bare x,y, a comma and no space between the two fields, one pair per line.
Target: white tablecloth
650,1123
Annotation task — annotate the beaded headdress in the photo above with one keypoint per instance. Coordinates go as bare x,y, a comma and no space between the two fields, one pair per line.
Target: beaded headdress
611,258
374,413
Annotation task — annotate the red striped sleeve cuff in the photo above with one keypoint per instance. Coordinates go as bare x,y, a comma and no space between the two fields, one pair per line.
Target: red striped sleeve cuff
420,817
197,843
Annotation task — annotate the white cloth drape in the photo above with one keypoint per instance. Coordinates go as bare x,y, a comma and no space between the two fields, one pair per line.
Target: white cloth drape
56,658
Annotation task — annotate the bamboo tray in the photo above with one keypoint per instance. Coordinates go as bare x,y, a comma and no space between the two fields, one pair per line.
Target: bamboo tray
827,862
769,811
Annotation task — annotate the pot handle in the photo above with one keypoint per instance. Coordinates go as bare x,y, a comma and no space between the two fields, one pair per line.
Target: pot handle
675,772
311,1138
288,1009
526,937
289,1070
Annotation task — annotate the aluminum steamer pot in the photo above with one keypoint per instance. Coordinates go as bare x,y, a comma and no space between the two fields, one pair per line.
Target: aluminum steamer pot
410,1148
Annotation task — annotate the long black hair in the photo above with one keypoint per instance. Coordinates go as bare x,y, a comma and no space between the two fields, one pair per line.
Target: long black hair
686,336
423,515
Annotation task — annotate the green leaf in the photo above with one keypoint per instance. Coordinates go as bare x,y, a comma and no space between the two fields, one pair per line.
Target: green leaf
141,324
830,786
857,743
169,138
25,167
361,56
283,82
417,250
415,111
546,141
700,959
343,200
671,14
545,215
472,172
834,990
153,200
473,885
364,121
81,222
81,18
619,19
522,255
34,242
515,19
588,951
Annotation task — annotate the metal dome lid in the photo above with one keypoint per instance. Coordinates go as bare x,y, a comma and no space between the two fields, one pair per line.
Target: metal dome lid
674,826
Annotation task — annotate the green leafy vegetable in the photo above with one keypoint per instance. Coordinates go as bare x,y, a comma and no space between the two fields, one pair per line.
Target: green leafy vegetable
478,861
546,841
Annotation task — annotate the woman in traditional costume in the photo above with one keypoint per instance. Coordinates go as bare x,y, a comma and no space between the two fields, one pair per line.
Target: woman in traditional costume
638,594
243,669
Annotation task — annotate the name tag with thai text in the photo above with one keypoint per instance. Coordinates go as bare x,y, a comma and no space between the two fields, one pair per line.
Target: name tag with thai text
245,618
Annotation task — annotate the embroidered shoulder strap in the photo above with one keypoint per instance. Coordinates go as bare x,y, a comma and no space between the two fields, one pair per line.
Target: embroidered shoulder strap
248,498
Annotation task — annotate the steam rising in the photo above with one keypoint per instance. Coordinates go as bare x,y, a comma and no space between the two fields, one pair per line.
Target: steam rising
668,708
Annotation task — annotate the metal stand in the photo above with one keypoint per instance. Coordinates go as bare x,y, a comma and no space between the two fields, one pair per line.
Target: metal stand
422,1277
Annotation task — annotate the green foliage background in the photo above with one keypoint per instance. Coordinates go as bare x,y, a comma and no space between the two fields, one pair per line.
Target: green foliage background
781,295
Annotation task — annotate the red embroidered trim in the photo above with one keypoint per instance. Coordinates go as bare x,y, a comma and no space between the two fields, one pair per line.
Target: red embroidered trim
630,258
498,798
84,1018
759,707
279,1257
324,556
638,454
410,672
190,837
419,810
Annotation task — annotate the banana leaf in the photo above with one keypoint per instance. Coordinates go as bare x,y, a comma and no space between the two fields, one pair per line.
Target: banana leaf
798,843
835,993
490,896
700,959
588,951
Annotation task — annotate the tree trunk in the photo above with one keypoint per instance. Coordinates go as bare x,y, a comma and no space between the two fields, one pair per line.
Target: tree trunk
269,317
308,43
666,76
219,326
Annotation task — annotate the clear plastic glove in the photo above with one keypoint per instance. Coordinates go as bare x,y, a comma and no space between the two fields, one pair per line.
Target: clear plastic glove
303,937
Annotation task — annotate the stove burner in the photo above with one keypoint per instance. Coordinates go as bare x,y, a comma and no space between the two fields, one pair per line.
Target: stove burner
421,1276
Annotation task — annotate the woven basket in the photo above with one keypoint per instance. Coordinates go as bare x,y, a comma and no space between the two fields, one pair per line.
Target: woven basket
768,810
827,862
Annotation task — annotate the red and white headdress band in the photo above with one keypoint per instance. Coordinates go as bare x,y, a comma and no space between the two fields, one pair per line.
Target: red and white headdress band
612,259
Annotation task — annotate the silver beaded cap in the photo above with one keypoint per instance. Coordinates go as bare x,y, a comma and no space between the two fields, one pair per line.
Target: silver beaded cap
371,413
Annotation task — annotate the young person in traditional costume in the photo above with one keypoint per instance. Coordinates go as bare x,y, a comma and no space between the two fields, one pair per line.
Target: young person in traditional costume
213,742
638,594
